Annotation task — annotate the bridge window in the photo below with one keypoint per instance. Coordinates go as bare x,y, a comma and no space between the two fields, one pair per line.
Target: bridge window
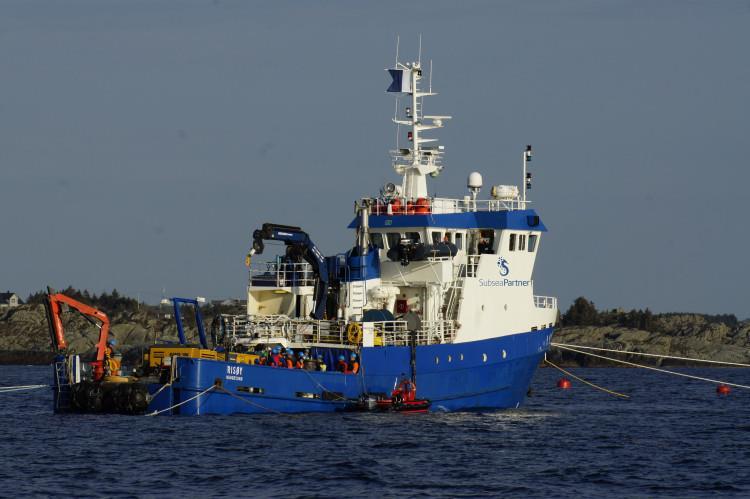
376,239
414,236
532,242
459,241
393,239
436,237
486,241
521,242
512,245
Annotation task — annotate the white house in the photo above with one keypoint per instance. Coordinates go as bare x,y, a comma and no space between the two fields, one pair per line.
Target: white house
8,299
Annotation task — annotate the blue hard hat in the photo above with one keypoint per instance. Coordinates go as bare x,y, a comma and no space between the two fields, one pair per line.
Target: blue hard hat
290,351
111,341
276,350
353,356
341,357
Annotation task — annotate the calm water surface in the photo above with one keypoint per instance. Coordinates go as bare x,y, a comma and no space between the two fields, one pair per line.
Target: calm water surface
675,437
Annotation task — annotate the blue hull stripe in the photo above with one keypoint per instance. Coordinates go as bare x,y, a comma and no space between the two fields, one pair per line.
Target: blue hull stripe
488,374
517,219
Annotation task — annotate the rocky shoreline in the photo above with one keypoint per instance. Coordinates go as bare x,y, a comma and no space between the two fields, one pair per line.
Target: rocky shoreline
685,335
25,339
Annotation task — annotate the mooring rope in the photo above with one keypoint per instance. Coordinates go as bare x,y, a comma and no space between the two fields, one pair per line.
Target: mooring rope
629,352
8,389
337,397
699,378
616,394
164,386
183,402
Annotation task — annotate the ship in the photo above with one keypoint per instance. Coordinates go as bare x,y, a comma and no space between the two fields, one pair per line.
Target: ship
431,309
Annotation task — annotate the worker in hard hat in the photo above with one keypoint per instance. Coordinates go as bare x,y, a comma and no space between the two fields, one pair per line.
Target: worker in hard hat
353,363
341,365
112,363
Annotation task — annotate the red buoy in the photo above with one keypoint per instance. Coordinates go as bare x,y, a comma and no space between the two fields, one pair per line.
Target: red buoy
564,383
723,390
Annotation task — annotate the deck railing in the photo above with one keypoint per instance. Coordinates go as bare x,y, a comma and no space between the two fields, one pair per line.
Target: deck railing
446,205
282,275
395,333
246,330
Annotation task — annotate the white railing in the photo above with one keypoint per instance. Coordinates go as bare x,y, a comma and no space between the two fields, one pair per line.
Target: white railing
446,205
245,330
282,275
402,206
545,302
395,333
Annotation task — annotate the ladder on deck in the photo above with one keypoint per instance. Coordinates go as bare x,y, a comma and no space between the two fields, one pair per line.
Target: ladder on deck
357,297
455,292
62,386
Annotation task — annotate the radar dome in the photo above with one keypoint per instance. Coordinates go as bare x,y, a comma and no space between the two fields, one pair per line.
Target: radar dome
474,181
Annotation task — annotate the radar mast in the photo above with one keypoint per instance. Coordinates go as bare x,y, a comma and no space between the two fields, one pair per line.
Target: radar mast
423,156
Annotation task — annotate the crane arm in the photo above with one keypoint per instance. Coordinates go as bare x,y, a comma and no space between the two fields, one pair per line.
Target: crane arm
54,308
298,240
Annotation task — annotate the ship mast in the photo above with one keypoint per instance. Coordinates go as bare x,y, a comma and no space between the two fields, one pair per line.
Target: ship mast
418,160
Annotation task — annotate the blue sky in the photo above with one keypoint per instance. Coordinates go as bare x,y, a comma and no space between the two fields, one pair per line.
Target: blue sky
141,142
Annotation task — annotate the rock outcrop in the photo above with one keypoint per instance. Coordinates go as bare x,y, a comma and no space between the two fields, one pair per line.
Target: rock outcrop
680,335
25,338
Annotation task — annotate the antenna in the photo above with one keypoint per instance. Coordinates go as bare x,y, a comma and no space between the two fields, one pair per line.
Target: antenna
395,117
419,59
397,40
430,75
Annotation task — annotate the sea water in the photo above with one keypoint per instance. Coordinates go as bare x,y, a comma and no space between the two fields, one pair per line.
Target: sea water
674,437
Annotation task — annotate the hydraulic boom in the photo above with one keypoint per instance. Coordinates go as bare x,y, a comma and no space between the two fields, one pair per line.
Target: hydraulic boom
298,246
57,332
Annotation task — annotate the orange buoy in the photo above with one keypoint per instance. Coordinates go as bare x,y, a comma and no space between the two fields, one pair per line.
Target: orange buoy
564,383
723,390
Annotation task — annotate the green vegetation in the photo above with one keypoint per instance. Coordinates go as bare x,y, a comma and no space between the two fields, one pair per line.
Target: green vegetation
110,303
584,313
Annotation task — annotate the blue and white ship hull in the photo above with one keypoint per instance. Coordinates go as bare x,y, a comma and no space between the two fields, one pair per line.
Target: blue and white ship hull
488,374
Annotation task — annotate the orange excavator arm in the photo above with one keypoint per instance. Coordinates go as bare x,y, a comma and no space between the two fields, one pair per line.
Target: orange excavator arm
54,307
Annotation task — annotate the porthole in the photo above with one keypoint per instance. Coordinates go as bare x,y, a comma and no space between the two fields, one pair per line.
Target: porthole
484,357
437,360
461,357
450,359
505,354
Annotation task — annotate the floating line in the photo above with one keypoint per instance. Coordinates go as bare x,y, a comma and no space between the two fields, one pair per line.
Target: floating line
183,402
8,389
616,394
652,355
716,381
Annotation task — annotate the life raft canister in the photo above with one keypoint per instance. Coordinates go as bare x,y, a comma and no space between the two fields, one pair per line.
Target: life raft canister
422,206
396,207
